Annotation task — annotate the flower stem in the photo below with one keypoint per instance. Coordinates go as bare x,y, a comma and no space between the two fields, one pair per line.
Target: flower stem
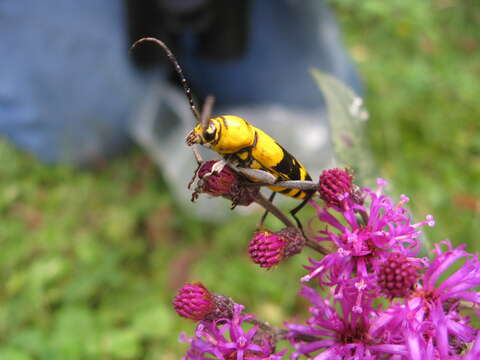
262,325
315,246
279,334
364,216
267,205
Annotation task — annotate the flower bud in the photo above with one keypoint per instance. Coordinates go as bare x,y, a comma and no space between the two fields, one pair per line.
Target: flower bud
216,184
268,248
195,302
398,275
335,186
226,183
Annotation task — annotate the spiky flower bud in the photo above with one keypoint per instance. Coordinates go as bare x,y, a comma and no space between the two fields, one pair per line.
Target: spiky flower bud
268,248
398,275
225,182
335,185
195,302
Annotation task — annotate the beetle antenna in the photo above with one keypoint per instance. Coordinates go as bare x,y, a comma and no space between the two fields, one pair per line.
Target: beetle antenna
178,69
207,111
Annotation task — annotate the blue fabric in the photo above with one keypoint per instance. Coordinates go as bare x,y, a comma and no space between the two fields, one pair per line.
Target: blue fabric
68,88
287,38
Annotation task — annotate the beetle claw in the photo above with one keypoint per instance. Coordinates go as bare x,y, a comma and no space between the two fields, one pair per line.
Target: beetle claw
218,167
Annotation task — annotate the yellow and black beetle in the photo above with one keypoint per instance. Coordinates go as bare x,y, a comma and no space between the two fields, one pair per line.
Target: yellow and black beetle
248,149
246,146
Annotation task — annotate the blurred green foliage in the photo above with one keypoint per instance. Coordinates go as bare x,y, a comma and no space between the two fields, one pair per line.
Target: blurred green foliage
90,260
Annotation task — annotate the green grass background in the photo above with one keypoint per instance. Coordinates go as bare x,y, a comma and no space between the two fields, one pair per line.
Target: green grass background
87,256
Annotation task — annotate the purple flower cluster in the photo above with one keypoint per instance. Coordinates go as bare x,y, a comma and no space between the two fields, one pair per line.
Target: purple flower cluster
376,245
435,307
364,237
343,332
226,338
372,297
426,325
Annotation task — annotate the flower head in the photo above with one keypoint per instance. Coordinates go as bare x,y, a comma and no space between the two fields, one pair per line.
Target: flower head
437,303
223,182
268,248
458,286
364,236
430,319
227,339
343,334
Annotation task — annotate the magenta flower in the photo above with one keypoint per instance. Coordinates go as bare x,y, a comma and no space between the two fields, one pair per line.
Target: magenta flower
364,237
474,352
437,304
226,339
458,286
430,320
345,334
419,335
426,304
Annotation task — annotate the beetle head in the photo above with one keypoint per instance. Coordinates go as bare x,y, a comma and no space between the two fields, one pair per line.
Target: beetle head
203,135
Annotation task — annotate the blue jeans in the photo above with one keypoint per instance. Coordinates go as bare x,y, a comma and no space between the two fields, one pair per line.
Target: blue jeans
68,88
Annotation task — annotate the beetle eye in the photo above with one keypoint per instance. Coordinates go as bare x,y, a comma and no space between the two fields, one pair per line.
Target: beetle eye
209,134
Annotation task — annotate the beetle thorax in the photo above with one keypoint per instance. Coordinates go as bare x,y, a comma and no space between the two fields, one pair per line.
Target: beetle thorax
233,134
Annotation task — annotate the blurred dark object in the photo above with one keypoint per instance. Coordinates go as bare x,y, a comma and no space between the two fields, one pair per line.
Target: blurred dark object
222,27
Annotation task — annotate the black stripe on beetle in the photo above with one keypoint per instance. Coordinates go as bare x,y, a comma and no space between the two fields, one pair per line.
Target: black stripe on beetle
288,166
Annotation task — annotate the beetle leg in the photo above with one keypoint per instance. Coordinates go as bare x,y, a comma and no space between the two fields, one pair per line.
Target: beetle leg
197,155
257,175
199,160
295,210
304,185
217,167
250,150
262,219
